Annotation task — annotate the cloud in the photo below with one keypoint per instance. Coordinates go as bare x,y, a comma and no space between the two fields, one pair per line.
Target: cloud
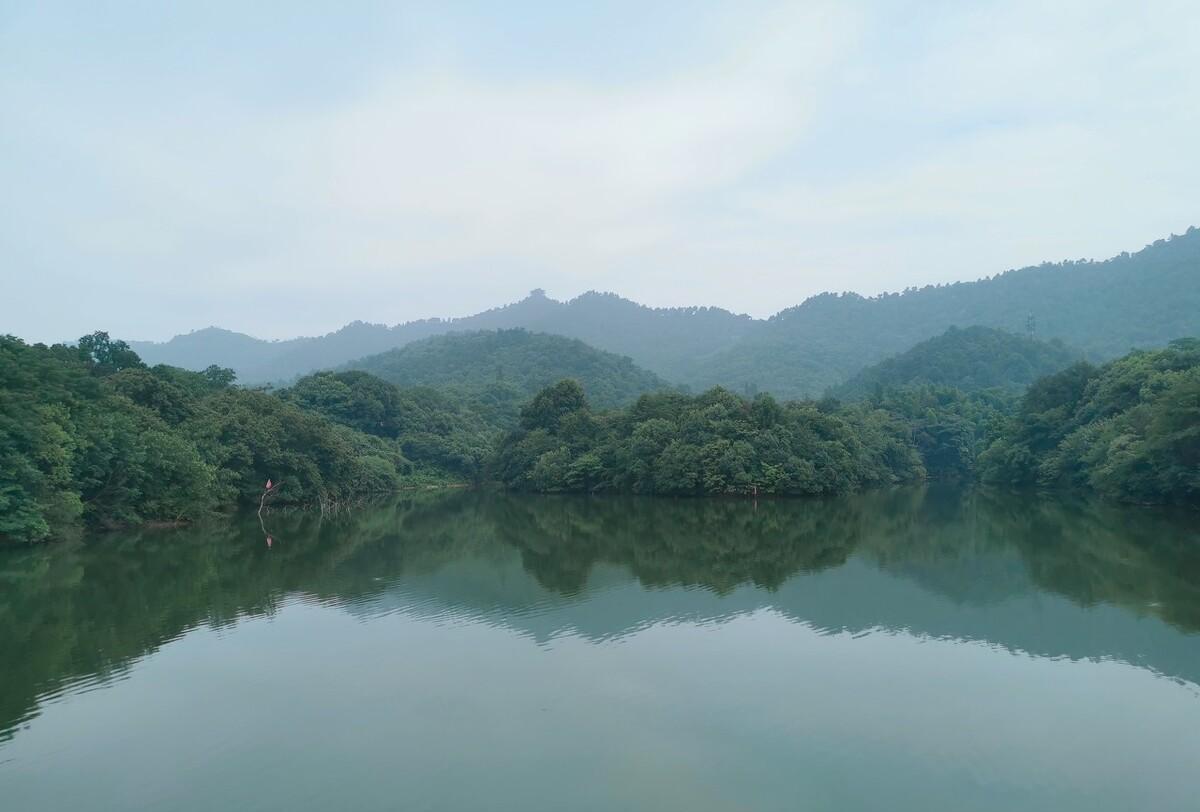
1018,133
837,146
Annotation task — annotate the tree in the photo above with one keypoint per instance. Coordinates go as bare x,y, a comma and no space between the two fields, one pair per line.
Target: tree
107,356
551,405
1129,430
219,377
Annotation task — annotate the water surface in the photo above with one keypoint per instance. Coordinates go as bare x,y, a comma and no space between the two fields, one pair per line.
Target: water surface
919,649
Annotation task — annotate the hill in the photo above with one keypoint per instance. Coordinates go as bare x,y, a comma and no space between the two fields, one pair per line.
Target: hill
970,359
1129,430
499,369
1104,309
663,339
200,349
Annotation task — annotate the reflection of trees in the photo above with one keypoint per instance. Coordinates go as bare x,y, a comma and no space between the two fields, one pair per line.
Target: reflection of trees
716,543
85,610
1147,561
1091,552
70,610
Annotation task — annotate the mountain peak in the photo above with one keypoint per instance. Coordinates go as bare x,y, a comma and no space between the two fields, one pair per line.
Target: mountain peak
1102,308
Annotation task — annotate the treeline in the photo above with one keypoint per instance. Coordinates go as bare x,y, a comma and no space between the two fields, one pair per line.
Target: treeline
714,443
90,434
1129,429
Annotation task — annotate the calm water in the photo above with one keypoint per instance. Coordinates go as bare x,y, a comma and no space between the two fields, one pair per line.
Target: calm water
917,649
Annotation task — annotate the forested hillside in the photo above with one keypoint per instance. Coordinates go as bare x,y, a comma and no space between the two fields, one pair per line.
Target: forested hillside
970,360
90,434
497,371
1129,429
1103,309
439,432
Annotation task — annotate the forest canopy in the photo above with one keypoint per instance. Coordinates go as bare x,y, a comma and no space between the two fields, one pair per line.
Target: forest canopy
1129,429
968,359
714,443
89,433
496,371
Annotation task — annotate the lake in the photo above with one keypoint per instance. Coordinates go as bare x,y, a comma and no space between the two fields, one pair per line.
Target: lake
917,649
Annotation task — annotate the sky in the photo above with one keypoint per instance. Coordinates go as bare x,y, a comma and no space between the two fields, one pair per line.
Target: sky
283,168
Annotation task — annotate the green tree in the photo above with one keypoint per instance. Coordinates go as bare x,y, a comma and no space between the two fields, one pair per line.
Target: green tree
106,356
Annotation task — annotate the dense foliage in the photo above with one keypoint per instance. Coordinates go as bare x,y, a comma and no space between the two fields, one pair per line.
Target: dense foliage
497,371
1129,429
948,428
1103,309
434,431
970,360
717,442
90,433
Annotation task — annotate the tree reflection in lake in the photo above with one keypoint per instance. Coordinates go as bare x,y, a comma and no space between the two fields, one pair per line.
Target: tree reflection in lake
1051,578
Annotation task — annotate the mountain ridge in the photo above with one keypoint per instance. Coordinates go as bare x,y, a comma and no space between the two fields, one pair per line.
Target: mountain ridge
1102,307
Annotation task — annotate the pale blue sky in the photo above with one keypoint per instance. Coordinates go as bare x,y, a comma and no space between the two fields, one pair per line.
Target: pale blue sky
284,168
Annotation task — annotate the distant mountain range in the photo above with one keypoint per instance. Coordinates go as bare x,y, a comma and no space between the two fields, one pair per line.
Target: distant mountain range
1103,309
660,339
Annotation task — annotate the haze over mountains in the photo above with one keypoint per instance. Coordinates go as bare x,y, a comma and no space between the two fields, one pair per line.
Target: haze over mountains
1102,309
969,359
658,339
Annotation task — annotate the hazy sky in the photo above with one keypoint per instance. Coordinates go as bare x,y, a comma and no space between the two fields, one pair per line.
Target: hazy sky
284,168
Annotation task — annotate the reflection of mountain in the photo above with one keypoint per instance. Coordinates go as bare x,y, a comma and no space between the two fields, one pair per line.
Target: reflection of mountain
859,596
1050,579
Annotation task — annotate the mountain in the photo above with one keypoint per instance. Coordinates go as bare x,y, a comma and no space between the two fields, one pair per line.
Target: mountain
213,345
511,365
663,339
1104,308
968,359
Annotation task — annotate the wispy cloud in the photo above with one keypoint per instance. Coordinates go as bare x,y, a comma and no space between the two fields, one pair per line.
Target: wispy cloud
835,146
